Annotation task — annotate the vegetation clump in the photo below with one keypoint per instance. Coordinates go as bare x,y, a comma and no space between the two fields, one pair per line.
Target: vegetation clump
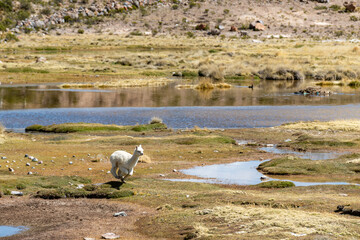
276,184
93,127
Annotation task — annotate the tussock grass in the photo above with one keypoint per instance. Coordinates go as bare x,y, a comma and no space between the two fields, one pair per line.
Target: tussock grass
272,223
354,84
155,120
93,127
336,125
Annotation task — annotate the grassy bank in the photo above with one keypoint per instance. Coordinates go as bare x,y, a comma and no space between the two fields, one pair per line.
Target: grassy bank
105,62
93,127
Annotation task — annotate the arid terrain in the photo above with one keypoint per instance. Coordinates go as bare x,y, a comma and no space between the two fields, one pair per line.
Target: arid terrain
63,54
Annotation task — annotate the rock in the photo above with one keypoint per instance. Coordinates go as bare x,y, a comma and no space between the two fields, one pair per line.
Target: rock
34,160
269,145
40,162
16,193
3,157
233,29
89,169
11,169
29,173
161,175
263,178
27,164
80,186
202,27
177,74
314,91
174,170
257,25
214,32
40,60
287,140
350,6
26,155
120,214
110,236
88,238
70,163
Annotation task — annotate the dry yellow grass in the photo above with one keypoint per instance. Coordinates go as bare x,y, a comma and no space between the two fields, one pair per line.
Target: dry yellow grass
336,125
263,221
121,83
145,159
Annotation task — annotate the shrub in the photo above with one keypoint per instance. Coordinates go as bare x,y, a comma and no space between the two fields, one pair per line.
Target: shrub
22,15
155,120
11,37
212,71
190,34
6,5
175,6
276,184
90,187
81,31
20,186
50,194
353,18
46,11
335,7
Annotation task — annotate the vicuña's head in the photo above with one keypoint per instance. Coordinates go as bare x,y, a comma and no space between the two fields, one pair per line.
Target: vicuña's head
139,150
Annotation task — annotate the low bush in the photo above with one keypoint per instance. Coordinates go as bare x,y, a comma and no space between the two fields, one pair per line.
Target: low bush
276,184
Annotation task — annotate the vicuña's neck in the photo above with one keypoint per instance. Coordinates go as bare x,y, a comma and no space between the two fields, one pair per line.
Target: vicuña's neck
133,160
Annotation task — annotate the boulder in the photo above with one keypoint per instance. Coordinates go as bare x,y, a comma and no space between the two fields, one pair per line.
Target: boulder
214,32
314,91
350,6
258,25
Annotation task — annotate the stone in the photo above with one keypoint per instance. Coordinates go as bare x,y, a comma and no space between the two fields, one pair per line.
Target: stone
89,169
214,32
40,162
16,193
161,175
11,169
70,163
29,173
26,155
40,60
350,6
120,214
263,178
233,29
27,164
88,238
35,160
174,170
80,186
259,27
287,140
110,236
3,157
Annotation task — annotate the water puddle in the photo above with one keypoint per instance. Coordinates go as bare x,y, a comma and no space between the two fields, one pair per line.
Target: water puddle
6,231
238,173
305,155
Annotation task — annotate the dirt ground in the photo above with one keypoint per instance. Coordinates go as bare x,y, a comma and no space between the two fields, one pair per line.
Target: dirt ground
70,218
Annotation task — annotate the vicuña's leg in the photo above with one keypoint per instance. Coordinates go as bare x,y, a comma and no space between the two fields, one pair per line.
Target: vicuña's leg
124,173
130,174
113,172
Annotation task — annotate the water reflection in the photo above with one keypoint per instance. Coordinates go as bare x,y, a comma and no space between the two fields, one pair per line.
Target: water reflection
239,173
267,93
306,155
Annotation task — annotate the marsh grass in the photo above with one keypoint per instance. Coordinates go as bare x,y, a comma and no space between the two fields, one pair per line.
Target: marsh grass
93,127
336,125
25,70
276,184
298,166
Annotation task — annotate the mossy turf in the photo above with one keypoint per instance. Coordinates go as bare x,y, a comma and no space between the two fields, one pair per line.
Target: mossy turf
91,127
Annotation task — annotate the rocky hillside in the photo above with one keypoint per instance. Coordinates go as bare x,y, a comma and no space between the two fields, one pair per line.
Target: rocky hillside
320,19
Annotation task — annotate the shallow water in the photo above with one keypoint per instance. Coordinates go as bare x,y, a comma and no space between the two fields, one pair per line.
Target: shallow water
306,155
267,93
6,231
181,117
239,173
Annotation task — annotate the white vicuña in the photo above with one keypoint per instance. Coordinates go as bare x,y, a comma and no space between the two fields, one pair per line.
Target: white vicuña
123,163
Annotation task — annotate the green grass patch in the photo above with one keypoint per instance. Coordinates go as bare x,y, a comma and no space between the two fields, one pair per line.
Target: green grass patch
204,140
25,70
276,184
93,127
154,74
298,166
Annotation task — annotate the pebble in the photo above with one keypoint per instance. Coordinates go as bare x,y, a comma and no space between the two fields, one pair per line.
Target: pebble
89,169
108,172
3,157
70,163
187,196
110,236
216,151
27,164
14,161
7,162
73,156
287,140
262,178
161,175
26,155
269,145
88,238
11,169
32,167
343,194
40,162
80,186
34,160
174,170
16,193
29,173
120,214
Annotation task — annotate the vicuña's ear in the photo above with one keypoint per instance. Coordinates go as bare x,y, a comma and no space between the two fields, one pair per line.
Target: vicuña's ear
140,146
